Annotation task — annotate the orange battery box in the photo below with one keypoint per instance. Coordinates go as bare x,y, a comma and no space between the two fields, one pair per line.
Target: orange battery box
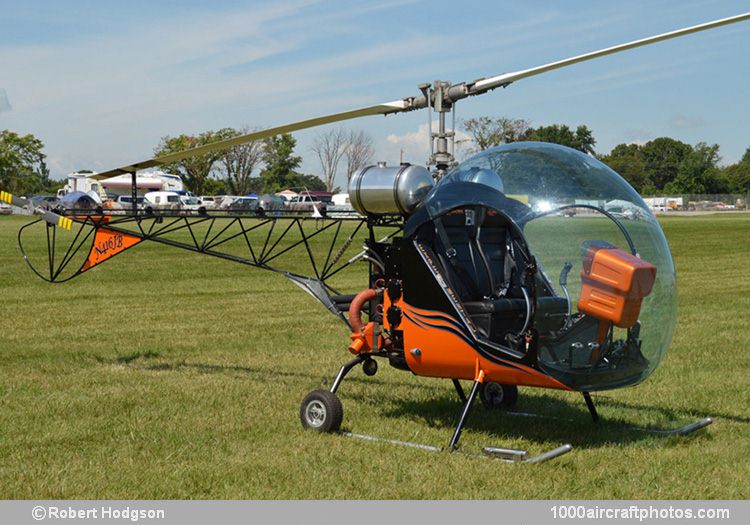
614,283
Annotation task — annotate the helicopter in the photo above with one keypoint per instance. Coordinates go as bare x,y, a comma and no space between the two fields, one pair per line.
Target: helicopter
504,270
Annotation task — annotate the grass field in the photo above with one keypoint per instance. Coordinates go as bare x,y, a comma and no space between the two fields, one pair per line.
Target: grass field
166,374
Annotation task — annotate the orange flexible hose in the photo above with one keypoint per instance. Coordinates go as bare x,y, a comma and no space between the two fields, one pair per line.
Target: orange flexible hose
355,308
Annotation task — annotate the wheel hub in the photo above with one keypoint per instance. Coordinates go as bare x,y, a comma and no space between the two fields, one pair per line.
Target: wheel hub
495,393
315,413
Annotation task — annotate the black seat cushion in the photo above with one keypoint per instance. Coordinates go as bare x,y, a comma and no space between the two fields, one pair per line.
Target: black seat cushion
502,306
508,313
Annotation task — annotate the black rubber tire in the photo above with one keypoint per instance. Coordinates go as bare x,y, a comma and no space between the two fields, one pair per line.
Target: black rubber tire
322,411
495,395
370,367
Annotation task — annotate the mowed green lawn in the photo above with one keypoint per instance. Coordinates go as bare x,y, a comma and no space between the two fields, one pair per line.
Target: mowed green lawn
167,374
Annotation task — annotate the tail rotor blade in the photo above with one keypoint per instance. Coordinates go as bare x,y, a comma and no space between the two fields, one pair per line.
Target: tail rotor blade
57,220
20,202
49,217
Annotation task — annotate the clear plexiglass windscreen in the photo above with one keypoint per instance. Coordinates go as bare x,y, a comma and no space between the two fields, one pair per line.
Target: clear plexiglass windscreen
571,200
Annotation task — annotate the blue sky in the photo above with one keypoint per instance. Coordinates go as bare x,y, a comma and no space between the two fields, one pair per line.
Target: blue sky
101,81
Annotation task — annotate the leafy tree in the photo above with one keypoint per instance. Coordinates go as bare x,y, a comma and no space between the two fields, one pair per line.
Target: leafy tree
581,139
628,161
487,132
255,185
22,166
663,157
698,172
194,170
213,186
737,177
671,166
306,182
280,161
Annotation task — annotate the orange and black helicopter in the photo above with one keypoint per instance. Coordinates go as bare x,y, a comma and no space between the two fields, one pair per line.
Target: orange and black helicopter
529,264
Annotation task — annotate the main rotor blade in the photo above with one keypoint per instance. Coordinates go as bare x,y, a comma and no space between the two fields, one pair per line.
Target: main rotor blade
453,93
487,84
378,109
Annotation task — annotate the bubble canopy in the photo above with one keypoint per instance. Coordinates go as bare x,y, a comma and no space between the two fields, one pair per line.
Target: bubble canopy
564,202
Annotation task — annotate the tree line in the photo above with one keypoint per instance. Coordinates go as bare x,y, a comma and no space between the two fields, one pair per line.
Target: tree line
231,171
660,166
23,169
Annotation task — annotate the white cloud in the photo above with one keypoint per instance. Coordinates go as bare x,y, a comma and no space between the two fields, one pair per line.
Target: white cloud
4,102
112,98
106,100
638,136
681,121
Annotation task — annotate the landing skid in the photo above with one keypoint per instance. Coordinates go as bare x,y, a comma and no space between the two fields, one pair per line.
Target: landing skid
512,455
322,404
321,410
680,431
508,455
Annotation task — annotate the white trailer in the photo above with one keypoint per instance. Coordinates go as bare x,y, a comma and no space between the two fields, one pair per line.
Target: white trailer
122,184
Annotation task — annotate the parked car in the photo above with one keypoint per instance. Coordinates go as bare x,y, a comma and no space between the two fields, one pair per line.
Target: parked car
126,201
209,202
192,203
226,202
307,200
340,199
244,204
340,206
161,200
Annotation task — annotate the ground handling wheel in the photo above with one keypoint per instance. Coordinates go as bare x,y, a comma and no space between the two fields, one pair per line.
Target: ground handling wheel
321,410
495,395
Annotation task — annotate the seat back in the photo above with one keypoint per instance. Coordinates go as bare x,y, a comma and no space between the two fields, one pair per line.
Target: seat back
477,267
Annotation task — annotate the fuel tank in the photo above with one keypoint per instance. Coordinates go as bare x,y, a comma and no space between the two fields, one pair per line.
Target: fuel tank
389,190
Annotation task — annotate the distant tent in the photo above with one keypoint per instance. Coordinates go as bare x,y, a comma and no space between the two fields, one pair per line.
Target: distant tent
271,202
79,200
287,194
620,205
